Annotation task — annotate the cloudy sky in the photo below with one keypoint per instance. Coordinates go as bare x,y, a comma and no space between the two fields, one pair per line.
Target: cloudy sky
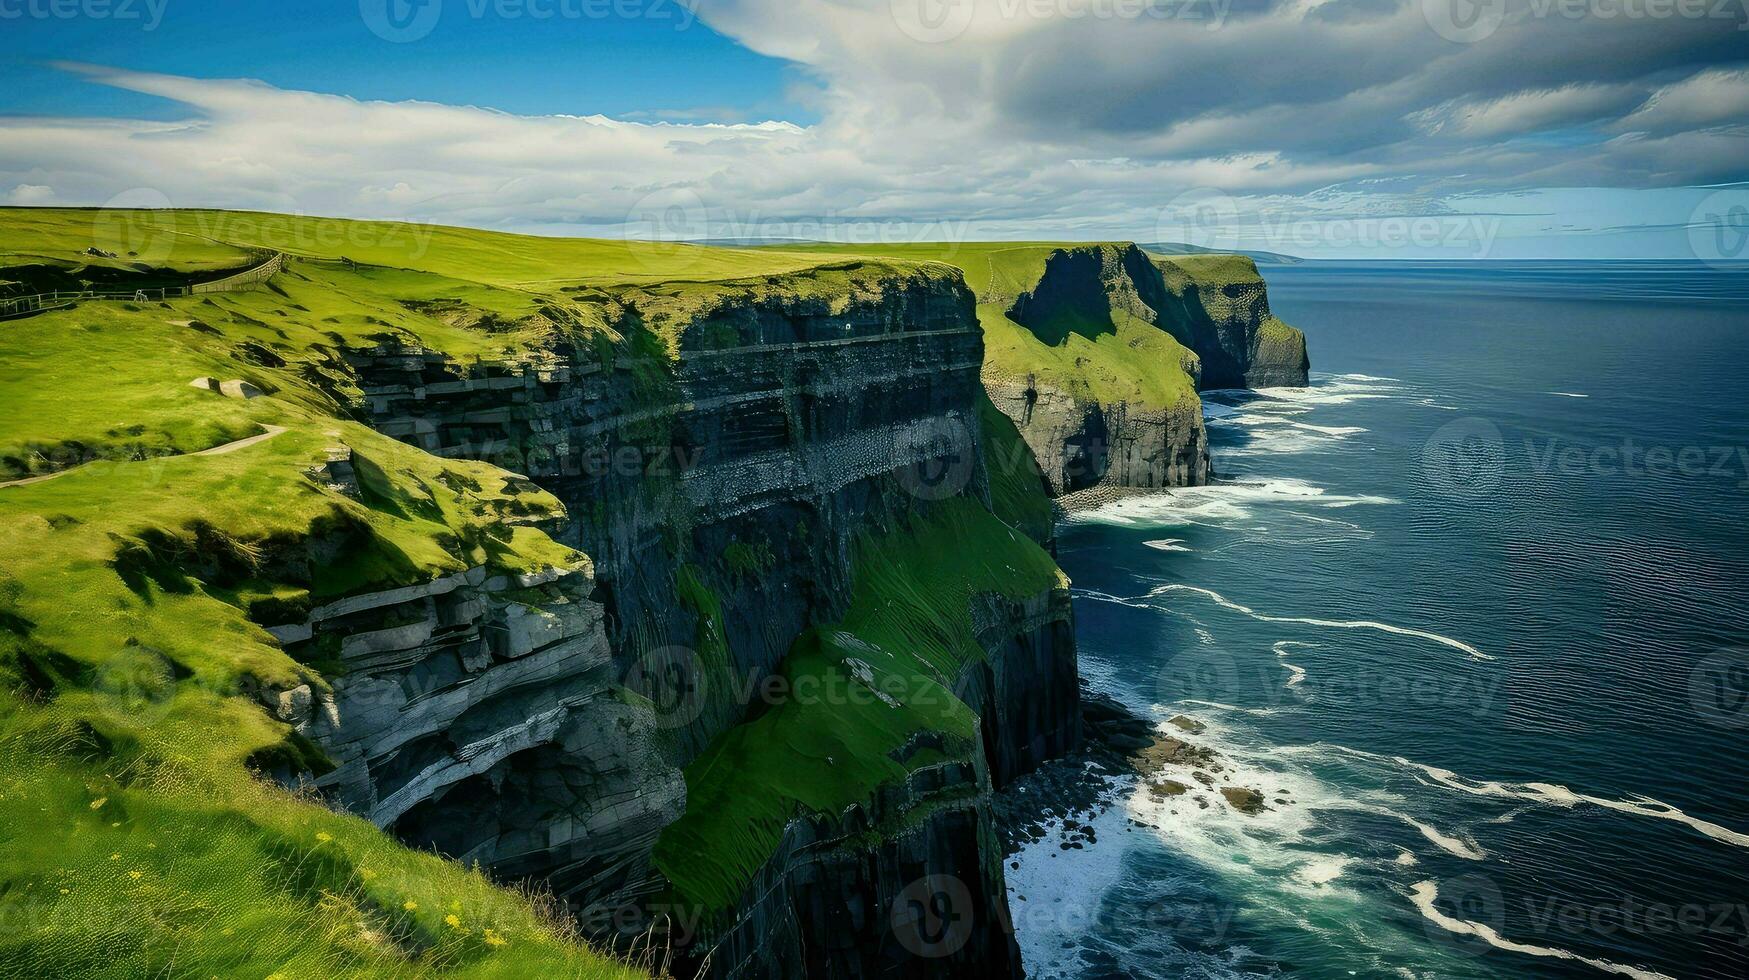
1386,128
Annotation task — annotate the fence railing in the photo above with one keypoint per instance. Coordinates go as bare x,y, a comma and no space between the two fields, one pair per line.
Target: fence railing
21,306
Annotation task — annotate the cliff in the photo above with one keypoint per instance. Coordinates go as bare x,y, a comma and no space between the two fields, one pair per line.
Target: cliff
681,583
1097,352
708,593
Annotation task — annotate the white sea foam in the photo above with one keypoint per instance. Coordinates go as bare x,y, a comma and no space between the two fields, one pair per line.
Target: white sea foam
1168,544
1453,844
1323,870
1329,623
1062,889
1423,894
1566,394
1219,706
1200,825
1297,672
1554,795
1218,505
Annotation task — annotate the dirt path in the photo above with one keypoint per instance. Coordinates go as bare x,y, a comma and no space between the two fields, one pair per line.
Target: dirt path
219,450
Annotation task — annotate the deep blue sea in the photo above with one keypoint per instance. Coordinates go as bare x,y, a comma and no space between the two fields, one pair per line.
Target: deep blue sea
1472,610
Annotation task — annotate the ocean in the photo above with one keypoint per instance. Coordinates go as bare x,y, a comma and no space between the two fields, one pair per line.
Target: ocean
1471,612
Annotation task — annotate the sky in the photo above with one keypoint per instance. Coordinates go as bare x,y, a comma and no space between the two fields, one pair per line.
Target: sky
1390,129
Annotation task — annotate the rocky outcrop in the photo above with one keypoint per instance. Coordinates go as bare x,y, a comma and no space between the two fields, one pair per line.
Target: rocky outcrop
1219,307
1084,444
1125,415
721,449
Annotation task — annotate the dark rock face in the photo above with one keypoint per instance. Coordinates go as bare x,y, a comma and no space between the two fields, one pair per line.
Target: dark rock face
1220,309
1083,445
928,901
541,726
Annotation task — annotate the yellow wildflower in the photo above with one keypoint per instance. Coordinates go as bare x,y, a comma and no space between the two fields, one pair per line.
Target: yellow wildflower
493,939
324,837
135,875
453,921
410,906
116,856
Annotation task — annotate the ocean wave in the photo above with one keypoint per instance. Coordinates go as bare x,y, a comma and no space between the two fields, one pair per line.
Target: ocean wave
1566,394
1226,603
1168,544
1556,795
1217,505
1423,894
1298,673
1453,844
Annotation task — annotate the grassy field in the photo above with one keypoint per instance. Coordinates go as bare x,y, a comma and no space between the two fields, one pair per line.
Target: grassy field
190,240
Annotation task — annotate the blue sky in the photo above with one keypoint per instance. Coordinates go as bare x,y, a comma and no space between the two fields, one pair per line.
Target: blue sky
1379,128
666,61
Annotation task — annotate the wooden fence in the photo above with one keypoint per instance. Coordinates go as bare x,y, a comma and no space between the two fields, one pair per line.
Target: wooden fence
23,306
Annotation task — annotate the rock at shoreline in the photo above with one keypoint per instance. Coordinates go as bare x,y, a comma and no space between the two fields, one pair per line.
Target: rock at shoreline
1185,723
1246,801
1163,788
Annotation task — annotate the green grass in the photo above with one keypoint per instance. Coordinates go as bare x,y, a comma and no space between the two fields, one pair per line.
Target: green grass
162,871
833,741
1018,492
195,240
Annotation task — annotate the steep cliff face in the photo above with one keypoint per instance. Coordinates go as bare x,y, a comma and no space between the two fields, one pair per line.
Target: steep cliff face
734,475
1219,306
1102,395
1097,351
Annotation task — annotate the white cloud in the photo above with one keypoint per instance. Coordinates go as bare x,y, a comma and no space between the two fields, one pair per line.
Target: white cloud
28,194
